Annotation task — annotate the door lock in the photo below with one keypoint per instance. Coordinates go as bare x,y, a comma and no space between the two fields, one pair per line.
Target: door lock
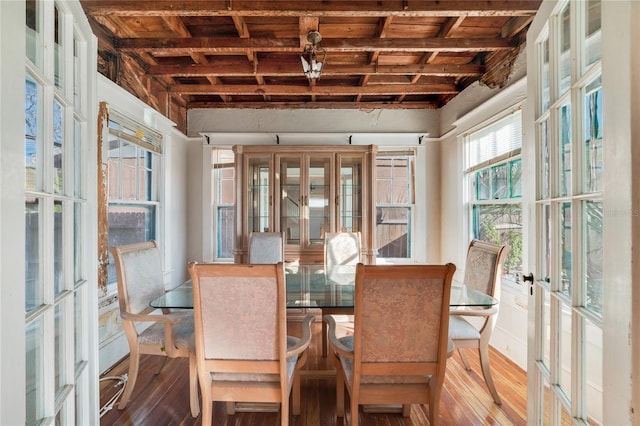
529,278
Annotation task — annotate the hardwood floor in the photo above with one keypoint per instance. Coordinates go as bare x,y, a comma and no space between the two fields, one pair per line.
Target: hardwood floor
163,399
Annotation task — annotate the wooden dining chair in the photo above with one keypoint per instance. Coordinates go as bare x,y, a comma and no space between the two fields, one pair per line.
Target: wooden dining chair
398,352
243,352
140,280
266,247
483,271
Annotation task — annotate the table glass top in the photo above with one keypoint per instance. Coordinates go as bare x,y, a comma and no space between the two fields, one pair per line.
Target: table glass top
311,286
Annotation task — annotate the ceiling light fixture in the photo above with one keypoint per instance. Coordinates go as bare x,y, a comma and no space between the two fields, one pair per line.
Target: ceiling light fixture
313,56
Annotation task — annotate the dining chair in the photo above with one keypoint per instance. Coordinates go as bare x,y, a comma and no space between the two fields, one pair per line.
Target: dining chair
140,280
340,249
483,272
266,247
243,353
398,352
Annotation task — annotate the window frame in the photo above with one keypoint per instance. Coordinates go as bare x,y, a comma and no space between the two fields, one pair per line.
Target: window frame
410,205
499,159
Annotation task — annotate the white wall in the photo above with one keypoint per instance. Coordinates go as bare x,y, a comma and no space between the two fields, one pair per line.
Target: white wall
172,236
313,121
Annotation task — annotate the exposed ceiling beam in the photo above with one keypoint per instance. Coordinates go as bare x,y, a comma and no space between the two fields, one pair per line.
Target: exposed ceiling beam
240,45
229,69
406,8
292,90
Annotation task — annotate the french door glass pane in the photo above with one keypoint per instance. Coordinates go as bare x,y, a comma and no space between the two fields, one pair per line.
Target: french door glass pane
593,255
565,248
291,201
545,91
546,329
80,328
565,353
34,32
545,243
593,159
593,370
565,150
59,46
59,355
58,252
78,248
593,40
33,134
58,147
564,64
32,255
77,158
318,198
34,336
76,75
545,160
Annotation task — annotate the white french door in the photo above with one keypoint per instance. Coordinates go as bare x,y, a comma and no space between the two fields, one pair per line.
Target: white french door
59,213
566,294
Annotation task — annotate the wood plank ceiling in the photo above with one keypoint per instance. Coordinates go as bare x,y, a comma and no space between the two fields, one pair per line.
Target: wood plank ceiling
176,55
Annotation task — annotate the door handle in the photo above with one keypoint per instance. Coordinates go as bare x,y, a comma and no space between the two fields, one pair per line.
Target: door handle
529,278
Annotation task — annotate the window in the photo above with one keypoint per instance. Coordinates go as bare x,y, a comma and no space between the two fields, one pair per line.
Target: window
224,203
133,163
494,174
394,204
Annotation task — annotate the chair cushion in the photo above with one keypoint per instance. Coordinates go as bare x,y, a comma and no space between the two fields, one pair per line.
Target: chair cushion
459,328
182,333
347,366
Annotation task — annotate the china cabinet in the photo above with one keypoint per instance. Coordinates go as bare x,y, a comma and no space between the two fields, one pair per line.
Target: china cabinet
304,192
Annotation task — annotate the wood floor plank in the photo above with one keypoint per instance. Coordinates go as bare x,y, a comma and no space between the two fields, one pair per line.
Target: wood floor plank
163,399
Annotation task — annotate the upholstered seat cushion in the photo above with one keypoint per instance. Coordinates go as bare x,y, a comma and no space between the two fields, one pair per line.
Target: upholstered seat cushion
459,328
347,365
182,332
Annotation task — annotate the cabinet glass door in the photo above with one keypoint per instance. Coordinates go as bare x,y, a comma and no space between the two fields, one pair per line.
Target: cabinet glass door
317,198
291,200
349,199
259,195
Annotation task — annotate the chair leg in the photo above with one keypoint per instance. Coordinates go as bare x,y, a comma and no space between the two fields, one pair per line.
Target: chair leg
207,406
231,408
134,364
295,394
406,410
325,338
486,372
339,394
193,386
434,406
355,415
463,357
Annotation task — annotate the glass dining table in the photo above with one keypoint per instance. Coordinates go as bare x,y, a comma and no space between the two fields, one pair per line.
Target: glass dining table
330,290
